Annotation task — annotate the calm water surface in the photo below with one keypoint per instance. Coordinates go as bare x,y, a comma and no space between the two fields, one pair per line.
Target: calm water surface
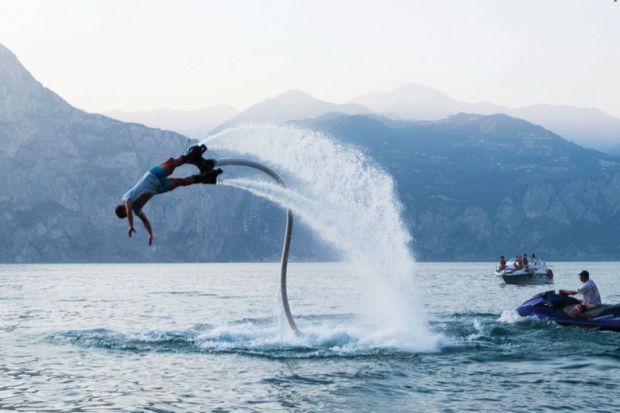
207,337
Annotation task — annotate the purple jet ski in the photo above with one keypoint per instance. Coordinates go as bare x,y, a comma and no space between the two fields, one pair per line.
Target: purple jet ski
552,306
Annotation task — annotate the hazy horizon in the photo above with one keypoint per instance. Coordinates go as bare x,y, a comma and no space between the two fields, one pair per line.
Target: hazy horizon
190,55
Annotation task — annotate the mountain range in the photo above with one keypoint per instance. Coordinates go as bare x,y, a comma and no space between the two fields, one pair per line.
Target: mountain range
477,186
472,186
64,171
290,105
589,127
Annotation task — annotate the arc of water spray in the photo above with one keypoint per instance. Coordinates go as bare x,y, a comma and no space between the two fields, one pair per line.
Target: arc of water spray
287,232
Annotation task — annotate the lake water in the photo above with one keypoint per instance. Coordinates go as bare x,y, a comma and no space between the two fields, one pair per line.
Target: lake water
210,337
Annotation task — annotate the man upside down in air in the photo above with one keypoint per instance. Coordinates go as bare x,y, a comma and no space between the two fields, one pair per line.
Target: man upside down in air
157,181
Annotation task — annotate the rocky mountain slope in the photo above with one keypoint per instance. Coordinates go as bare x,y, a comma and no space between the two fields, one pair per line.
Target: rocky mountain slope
290,105
588,127
475,187
65,170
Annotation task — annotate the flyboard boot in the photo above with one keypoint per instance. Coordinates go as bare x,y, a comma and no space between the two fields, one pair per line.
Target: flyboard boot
194,156
208,175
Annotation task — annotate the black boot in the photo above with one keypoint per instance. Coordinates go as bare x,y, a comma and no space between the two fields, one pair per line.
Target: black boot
194,156
194,153
199,179
210,177
205,165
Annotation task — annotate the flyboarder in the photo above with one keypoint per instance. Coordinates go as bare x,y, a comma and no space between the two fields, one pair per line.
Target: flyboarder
156,181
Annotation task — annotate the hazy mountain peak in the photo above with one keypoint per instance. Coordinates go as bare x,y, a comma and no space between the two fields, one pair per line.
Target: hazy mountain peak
293,94
290,105
22,96
590,127
9,64
407,94
418,93
13,75
292,97
587,126
414,101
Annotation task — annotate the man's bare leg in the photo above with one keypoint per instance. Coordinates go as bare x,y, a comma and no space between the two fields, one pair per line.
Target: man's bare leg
576,312
188,180
172,163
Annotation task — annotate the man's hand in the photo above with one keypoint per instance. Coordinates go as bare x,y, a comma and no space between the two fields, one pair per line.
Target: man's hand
131,230
150,240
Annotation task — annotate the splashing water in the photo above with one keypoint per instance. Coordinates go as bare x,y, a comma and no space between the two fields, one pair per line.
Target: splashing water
352,204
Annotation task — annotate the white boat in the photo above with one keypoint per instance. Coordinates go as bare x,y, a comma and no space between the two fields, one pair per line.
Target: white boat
537,272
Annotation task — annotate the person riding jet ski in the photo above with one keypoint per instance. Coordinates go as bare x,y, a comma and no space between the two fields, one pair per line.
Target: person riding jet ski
590,293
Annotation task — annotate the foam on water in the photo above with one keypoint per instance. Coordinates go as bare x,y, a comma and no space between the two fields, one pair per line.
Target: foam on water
352,204
322,337
510,316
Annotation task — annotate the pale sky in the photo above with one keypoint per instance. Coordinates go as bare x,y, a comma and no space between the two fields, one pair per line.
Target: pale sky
191,54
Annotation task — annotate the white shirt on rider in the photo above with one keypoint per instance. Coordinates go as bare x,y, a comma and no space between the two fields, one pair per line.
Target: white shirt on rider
591,296
149,183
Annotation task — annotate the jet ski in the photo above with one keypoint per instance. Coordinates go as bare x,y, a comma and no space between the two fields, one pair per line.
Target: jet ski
555,307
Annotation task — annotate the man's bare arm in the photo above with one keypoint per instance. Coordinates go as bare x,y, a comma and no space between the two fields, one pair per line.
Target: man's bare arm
129,212
147,225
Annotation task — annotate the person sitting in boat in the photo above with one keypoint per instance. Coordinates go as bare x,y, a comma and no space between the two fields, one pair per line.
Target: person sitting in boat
518,265
502,264
533,259
525,262
590,293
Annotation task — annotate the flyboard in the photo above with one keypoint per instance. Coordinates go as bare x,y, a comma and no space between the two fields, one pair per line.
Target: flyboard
208,171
